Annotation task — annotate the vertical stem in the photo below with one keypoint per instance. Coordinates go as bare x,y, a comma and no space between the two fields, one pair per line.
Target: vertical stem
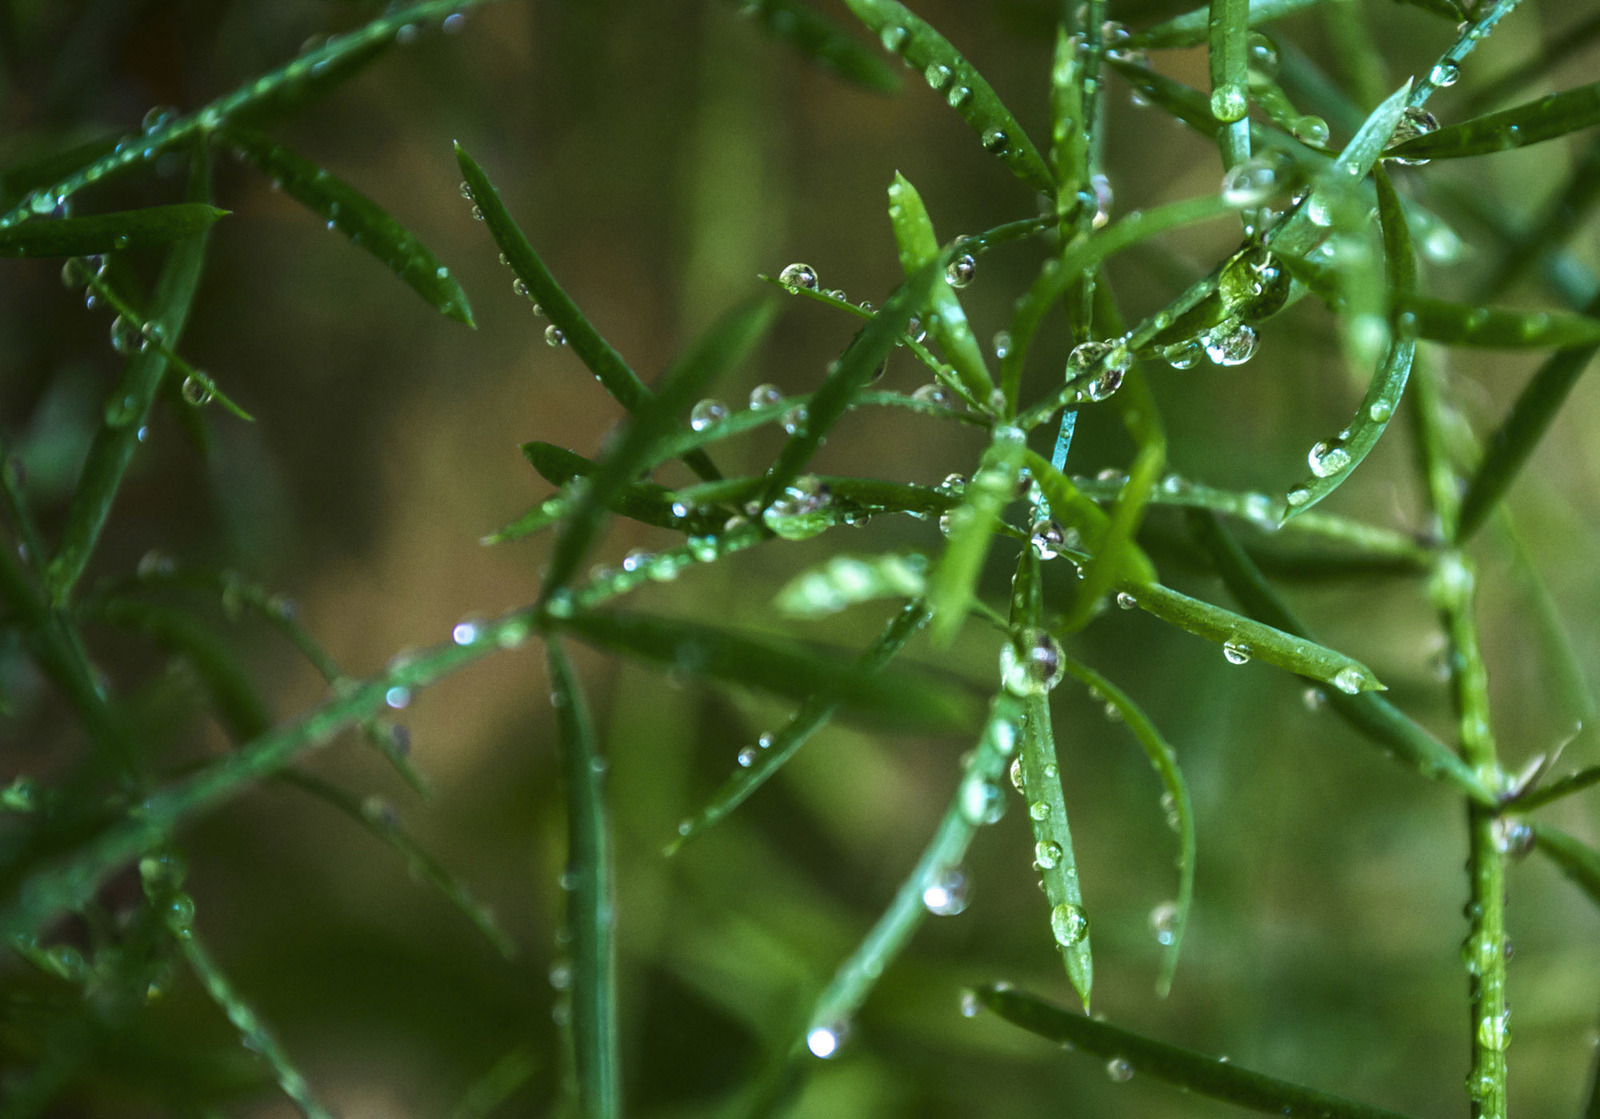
1452,587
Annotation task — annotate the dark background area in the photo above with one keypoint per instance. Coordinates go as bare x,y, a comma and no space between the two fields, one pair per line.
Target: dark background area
660,154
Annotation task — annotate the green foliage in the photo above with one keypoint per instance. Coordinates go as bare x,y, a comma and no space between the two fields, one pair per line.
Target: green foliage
148,722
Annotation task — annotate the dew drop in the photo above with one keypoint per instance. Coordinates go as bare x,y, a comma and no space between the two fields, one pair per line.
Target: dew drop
397,697
466,631
799,275
1069,923
1236,652
1228,103
1230,343
994,140
1262,54
1312,130
765,396
1119,1070
1047,538
937,75
1413,123
1046,854
932,393
1348,680
159,116
1250,183
1327,459
1126,601
1183,355
706,413
1164,923
960,271
126,338
1380,411
971,1005
957,96
946,895
747,757
553,336
982,801
1314,699
1444,74
893,37
1031,665
823,1041
793,419
195,391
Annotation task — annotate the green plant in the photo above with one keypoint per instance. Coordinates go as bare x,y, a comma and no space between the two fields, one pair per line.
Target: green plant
1333,212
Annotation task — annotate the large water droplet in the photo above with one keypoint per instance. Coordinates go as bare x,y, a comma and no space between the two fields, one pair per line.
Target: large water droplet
1253,285
1164,923
706,413
946,895
1230,343
765,396
1444,74
1261,54
799,275
1031,665
1228,103
960,271
1327,459
1048,538
1413,123
982,801
1069,923
1250,183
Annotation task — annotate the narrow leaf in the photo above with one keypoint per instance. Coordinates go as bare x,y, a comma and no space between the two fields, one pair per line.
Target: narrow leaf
1534,122
970,526
1335,461
593,350
1181,812
1184,1068
117,437
823,42
1230,77
928,53
1522,430
358,217
846,581
810,716
591,907
1069,134
104,233
773,666
1444,9
1247,639
312,74
935,884
1374,717
1461,324
919,248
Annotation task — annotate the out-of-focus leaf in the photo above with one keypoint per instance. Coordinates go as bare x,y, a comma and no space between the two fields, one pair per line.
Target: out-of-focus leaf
1531,123
104,233
823,41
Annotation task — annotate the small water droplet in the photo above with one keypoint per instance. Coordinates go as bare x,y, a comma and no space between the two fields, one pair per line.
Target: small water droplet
1046,854
1312,130
893,36
933,393
195,391
397,697
824,1041
1315,699
971,1005
957,96
1236,652
1250,183
937,75
1126,601
765,396
1444,74
1119,1070
1048,538
1228,103
1261,54
747,757
1230,343
1348,680
1413,123
1164,923
158,116
553,336
1069,923
982,801
995,141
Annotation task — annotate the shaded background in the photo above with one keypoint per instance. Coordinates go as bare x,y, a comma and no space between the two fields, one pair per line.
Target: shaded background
661,153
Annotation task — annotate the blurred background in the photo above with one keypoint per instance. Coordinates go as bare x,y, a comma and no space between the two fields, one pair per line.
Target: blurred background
660,154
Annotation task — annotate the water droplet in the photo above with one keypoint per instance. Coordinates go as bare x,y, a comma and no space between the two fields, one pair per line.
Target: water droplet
793,419
1262,54
1348,680
1250,183
1164,923
1236,652
747,757
1512,837
466,631
1298,496
960,271
933,393
801,511
1183,355
970,1003
397,697
937,76
1315,699
994,140
946,895
1327,459
453,23
1126,601
195,391
553,336
1253,285
1312,130
1031,665
1069,923
126,338
982,801
1169,811
765,396
1413,123
799,275
1039,810
1048,538
824,1041
1046,854
1119,1070
1494,1031
1444,74
1230,343
957,96
159,116
1228,103
706,413
893,36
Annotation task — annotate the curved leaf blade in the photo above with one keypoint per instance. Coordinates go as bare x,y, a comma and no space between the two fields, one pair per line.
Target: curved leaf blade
1534,122
362,221
1498,328
965,90
823,42
104,233
1207,1076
